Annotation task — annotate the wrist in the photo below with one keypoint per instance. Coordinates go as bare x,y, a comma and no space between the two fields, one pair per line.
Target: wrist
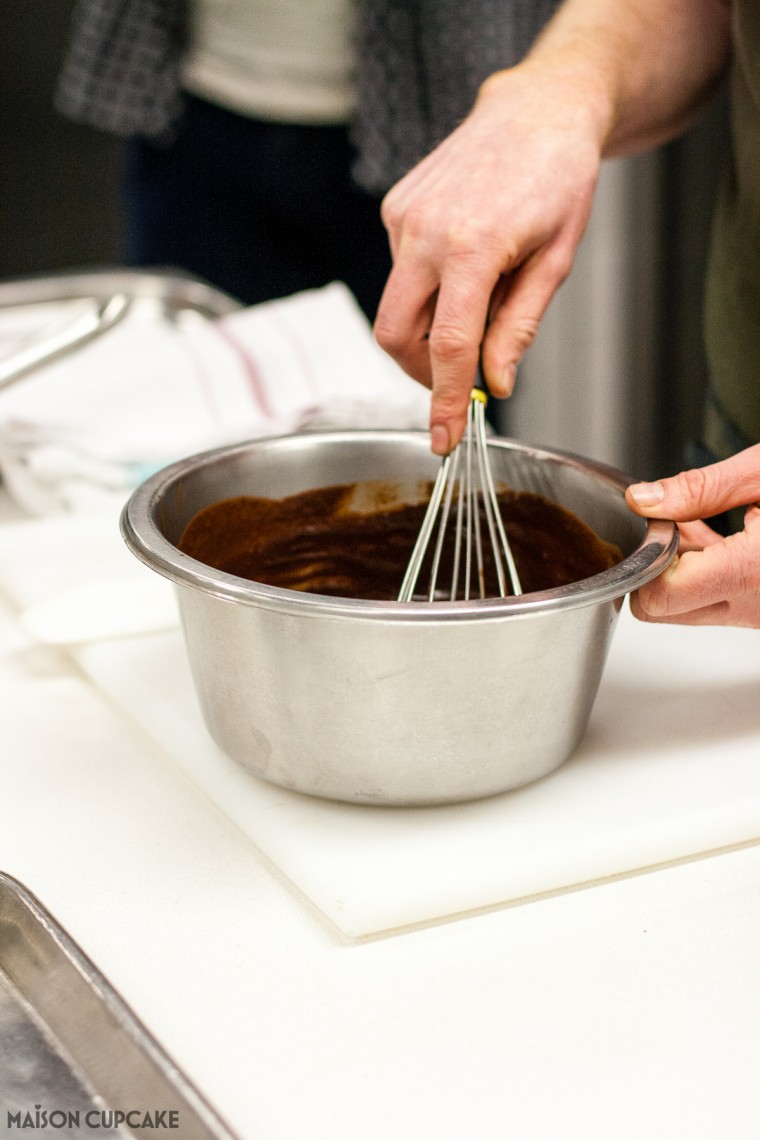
563,85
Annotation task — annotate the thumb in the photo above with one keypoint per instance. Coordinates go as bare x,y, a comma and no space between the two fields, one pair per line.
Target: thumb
702,491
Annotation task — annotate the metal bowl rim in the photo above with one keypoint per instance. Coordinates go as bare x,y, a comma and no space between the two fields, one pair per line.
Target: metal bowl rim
145,540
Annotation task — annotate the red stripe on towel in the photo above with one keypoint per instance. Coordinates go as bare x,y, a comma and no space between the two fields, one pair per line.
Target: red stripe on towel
306,362
249,367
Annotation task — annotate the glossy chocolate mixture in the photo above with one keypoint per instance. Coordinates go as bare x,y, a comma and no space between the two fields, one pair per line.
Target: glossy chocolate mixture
316,542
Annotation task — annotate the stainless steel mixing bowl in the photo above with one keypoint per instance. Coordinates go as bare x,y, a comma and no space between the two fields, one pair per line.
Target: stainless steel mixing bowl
379,702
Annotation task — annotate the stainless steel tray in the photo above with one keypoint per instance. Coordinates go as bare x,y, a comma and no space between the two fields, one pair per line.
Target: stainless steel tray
109,295
71,1047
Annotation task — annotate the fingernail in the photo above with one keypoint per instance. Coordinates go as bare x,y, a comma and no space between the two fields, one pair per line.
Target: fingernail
439,440
647,494
508,379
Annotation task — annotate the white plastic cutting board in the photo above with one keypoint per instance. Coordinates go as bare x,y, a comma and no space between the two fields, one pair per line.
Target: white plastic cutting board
670,768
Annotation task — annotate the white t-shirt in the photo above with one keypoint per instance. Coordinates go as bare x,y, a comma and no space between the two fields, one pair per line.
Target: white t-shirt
281,60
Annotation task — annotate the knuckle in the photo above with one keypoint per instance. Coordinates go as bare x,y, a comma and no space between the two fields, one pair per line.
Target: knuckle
694,487
474,247
459,237
449,401
449,343
391,212
388,334
416,220
466,237
523,331
561,262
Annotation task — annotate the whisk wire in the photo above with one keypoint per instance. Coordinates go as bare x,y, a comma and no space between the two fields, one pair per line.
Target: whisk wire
471,485
476,407
426,530
469,493
493,514
457,538
445,511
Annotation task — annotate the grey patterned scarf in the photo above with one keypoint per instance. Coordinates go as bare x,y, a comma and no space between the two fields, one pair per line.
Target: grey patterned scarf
421,63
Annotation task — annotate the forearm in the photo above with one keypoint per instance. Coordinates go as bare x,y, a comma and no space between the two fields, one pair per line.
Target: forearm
643,69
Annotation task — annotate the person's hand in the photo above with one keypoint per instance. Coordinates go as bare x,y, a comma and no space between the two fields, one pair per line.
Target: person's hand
714,580
482,232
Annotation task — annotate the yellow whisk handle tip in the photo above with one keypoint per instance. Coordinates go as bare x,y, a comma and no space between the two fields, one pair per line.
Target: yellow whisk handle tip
478,394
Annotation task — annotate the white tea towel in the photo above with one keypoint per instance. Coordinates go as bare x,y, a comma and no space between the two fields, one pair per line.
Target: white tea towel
82,432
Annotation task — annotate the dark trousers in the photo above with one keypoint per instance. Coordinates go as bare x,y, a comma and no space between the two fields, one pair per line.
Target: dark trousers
261,210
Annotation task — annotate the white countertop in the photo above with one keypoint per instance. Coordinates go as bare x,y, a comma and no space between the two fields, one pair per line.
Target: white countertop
627,1009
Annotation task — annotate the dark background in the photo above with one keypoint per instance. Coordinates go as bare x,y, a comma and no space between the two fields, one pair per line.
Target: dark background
59,183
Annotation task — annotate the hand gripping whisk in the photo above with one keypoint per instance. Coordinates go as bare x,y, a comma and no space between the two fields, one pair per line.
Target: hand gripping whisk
465,472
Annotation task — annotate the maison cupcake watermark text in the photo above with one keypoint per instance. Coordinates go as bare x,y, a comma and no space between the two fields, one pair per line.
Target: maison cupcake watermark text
94,1119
